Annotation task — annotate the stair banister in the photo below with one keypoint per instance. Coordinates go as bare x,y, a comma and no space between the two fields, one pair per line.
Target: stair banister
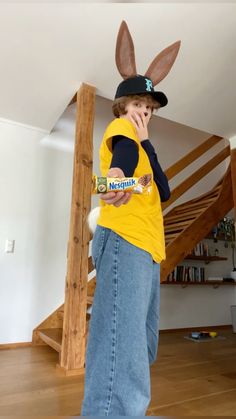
192,156
196,176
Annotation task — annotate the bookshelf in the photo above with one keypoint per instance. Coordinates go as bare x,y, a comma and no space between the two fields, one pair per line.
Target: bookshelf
207,259
194,274
184,284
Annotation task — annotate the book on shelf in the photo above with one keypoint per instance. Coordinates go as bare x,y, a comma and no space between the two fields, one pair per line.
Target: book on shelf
215,278
201,249
187,274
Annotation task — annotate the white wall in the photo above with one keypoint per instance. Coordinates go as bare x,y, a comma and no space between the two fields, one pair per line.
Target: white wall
200,305
35,185
195,306
18,177
34,211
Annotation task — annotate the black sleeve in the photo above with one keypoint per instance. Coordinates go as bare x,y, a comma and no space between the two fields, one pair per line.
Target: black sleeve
125,154
159,176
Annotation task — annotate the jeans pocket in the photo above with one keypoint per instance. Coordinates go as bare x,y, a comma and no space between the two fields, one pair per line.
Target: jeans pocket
98,244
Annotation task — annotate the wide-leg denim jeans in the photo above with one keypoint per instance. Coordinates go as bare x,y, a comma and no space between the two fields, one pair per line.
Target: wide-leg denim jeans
123,332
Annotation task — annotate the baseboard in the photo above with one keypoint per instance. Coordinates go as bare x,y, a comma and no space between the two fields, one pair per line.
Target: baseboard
180,329
15,345
198,328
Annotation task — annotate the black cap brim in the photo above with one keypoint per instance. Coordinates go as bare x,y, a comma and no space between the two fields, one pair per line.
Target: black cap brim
140,85
160,97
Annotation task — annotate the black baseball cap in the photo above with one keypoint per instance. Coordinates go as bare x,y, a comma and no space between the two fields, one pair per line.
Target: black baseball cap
137,85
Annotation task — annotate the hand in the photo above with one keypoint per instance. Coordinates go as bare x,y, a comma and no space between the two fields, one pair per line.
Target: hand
116,198
140,123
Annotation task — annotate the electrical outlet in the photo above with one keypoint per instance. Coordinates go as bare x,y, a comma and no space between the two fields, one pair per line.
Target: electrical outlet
9,246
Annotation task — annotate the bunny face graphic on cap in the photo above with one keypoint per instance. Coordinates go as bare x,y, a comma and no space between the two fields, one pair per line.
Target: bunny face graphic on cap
148,85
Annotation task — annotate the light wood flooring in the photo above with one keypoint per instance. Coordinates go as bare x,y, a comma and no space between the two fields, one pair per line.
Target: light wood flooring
188,379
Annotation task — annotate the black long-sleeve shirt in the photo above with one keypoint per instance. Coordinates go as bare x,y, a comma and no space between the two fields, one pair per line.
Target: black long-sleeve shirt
125,156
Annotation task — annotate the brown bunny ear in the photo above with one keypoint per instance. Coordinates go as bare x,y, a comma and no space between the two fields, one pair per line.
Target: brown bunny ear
161,65
125,56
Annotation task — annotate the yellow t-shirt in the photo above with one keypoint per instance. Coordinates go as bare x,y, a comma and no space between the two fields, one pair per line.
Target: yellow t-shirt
140,222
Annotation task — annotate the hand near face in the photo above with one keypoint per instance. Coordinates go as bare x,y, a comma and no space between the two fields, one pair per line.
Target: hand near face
140,123
139,113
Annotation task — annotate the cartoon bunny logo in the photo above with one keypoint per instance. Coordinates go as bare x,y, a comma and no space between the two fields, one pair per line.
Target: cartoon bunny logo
148,85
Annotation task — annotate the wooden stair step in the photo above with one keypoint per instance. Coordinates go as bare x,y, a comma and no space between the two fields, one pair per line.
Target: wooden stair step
176,227
90,290
196,204
91,286
90,265
208,200
90,299
183,216
210,194
178,218
169,234
203,197
170,237
53,338
188,211
193,204
213,192
177,223
187,208
60,312
192,209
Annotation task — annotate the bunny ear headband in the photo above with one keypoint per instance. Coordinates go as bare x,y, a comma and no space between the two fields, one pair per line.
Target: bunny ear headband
134,83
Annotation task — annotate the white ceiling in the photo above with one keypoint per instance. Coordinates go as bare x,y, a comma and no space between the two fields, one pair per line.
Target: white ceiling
47,49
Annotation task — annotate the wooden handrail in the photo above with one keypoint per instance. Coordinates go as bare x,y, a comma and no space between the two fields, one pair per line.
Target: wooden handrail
196,176
192,156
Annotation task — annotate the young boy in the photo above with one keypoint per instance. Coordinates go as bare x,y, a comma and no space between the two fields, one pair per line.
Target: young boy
128,246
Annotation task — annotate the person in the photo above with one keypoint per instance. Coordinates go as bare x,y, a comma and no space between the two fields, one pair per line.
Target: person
127,248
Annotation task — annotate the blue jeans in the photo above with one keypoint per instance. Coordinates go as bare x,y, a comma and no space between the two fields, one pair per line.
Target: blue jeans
123,331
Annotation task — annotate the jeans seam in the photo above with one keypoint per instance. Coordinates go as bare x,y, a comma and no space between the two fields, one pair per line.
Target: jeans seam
114,328
155,332
101,247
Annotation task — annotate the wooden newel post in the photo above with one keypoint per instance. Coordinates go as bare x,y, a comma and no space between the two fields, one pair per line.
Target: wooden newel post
74,323
232,141
233,174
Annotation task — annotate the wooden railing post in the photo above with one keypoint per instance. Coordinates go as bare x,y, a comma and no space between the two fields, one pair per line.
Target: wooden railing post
74,324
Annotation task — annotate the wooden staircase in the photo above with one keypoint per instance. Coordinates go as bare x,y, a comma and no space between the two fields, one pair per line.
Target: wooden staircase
185,225
50,331
66,329
189,223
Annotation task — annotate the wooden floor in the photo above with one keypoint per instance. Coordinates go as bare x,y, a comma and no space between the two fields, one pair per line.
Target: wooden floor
188,379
